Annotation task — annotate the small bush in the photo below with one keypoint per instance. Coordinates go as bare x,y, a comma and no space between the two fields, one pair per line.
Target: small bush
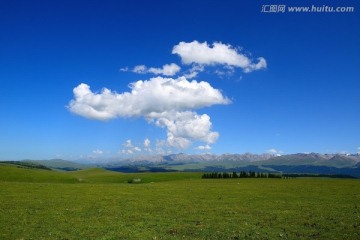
135,180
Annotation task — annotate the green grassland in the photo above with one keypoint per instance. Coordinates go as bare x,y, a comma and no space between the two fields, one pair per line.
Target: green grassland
99,204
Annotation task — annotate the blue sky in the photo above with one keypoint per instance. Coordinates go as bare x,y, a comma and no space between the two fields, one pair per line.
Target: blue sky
304,99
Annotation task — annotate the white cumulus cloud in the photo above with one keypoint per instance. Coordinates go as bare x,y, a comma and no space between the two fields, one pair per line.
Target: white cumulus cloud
218,53
167,102
156,95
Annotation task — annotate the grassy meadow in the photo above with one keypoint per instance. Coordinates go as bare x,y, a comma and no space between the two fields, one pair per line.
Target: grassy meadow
99,204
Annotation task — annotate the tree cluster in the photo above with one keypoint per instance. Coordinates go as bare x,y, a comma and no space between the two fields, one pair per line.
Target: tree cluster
242,174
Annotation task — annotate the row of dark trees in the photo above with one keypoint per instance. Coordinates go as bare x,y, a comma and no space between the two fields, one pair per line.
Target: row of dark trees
242,174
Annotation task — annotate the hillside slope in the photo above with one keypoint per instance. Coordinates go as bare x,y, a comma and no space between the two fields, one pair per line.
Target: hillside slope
59,164
16,173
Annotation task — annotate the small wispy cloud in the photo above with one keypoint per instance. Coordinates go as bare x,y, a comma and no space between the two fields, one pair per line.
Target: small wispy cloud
275,151
166,70
124,69
193,71
163,147
226,71
98,152
137,149
126,151
203,147
129,148
128,144
142,69
147,145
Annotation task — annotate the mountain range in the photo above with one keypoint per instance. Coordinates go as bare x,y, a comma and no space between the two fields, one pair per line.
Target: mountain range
300,163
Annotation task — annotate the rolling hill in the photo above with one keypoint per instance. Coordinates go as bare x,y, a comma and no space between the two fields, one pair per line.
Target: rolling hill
18,173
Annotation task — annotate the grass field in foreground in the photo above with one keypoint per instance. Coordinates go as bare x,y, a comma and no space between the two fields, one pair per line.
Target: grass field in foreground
186,208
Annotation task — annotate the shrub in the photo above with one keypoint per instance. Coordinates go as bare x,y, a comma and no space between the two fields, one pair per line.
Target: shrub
135,180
